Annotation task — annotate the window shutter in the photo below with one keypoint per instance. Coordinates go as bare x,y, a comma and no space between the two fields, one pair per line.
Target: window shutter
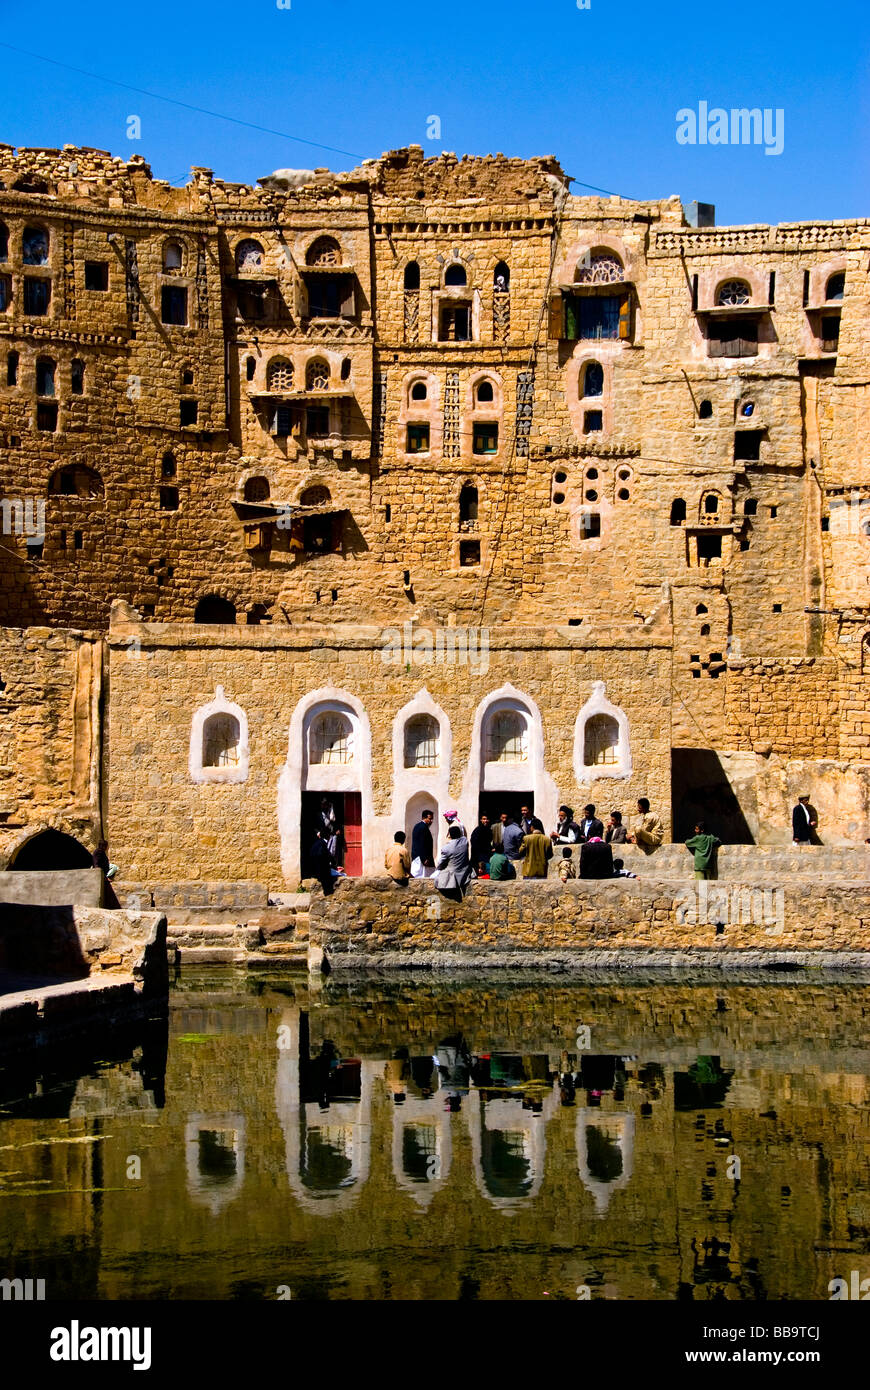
625,315
348,303
556,326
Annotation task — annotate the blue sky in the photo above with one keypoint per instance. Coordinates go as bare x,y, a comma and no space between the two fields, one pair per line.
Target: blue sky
599,88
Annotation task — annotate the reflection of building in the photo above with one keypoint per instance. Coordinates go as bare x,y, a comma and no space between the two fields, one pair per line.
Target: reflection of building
509,1145
422,1148
327,1138
215,1155
605,1153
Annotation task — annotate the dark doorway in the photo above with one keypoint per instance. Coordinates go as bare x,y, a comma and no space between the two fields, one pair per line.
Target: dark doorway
701,791
348,815
51,850
493,803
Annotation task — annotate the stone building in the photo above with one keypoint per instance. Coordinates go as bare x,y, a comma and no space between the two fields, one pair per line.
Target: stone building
427,482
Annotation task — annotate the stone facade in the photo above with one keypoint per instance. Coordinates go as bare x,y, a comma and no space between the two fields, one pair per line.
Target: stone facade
447,392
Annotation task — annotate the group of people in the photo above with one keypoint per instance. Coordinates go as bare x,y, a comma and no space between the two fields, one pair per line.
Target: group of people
500,849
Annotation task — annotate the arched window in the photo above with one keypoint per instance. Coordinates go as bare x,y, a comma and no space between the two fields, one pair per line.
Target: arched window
711,504
603,268
213,609
507,738
76,480
173,256
734,292
221,739
257,490
249,255
600,741
485,393
324,251
316,496
330,739
168,466
45,370
280,375
705,410
34,246
317,375
678,511
419,391
455,274
501,278
422,736
4,242
412,276
468,501
592,382
836,286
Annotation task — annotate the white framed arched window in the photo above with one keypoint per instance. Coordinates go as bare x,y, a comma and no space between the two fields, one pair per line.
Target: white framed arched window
330,739
219,750
601,739
507,737
422,742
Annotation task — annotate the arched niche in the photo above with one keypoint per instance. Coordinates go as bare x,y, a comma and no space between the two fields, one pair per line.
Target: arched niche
342,778
599,709
528,774
605,1153
416,787
215,755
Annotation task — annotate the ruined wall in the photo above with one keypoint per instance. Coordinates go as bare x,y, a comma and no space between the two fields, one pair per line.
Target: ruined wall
50,730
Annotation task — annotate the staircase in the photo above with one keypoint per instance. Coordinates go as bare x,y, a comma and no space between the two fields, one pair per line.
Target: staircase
227,923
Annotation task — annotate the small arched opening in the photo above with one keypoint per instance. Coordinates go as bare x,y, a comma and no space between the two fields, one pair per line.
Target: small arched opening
214,609
51,851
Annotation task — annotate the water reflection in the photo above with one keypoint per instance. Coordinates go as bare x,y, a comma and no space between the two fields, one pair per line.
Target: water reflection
422,1140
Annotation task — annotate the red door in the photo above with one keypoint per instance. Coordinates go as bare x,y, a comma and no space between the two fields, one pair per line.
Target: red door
353,859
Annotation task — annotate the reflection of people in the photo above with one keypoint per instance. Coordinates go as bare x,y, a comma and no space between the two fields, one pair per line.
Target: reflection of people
423,847
802,822
453,1060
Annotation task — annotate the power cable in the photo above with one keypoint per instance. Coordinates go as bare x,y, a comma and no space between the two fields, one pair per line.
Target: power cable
173,101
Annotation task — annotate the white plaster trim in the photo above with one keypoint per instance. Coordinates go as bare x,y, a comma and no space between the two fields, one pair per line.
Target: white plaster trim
297,776
619,1127
585,773
528,776
409,782
219,705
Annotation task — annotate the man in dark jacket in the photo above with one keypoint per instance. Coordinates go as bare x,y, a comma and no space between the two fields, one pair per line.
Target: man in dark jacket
590,826
802,822
596,859
423,847
481,845
530,822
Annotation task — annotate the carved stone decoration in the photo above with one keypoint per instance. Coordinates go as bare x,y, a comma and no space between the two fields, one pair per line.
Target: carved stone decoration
451,416
131,266
525,411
